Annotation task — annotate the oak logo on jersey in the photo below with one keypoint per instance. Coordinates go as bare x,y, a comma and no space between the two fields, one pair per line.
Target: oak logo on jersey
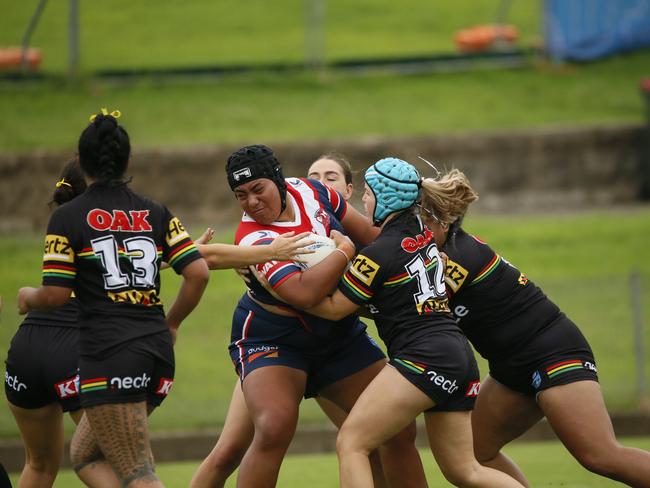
364,269
455,275
118,220
413,244
57,248
136,297
176,232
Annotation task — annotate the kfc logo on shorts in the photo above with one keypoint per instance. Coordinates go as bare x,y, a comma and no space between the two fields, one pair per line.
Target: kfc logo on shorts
68,388
473,389
164,386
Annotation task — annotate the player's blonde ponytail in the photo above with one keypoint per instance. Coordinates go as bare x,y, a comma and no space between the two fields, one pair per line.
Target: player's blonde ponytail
446,198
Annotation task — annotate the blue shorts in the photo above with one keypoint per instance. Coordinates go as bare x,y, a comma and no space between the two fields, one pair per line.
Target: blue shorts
261,338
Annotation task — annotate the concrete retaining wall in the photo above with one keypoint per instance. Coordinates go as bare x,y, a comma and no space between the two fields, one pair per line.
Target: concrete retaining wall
523,170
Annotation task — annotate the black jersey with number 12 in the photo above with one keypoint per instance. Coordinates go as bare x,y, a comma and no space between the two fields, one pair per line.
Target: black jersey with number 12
401,277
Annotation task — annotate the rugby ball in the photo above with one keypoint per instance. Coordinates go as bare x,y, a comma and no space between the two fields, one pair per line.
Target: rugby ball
321,246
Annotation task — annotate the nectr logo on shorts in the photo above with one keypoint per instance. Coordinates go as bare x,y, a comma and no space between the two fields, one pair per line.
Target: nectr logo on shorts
437,379
116,383
14,383
128,382
445,384
67,388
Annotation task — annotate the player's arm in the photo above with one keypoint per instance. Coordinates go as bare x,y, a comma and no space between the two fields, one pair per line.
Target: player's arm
195,279
285,247
336,307
307,288
59,269
43,297
359,227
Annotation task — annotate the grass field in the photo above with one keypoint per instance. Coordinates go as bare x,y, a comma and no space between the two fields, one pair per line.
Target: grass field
546,464
273,108
582,261
123,34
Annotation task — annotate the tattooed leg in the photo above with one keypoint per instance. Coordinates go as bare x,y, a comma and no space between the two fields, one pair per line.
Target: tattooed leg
122,433
88,460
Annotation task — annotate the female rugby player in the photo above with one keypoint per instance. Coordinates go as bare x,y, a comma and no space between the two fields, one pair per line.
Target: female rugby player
540,363
279,351
107,245
41,376
334,170
431,367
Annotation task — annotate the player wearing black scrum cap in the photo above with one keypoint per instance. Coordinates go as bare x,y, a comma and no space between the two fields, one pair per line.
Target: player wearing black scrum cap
280,352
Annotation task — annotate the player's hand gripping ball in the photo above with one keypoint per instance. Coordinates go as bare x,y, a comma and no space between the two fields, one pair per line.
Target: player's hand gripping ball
321,247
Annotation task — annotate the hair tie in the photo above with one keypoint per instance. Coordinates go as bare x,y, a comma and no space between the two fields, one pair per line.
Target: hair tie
59,184
104,111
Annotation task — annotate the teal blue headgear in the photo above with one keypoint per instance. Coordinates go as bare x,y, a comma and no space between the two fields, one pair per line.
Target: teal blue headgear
395,184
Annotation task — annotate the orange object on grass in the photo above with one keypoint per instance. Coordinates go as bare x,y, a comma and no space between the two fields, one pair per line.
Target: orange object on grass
484,37
12,57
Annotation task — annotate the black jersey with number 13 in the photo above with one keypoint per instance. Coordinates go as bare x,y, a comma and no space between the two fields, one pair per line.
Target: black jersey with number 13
108,244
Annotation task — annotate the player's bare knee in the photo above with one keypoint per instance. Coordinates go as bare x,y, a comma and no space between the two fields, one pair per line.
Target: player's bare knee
347,441
464,475
43,465
144,472
599,460
227,456
273,432
81,456
485,455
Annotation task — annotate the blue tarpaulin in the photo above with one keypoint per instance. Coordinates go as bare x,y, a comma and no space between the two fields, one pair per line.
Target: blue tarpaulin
582,30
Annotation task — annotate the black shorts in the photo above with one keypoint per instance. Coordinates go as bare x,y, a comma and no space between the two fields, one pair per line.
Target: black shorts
42,367
558,355
141,370
442,365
